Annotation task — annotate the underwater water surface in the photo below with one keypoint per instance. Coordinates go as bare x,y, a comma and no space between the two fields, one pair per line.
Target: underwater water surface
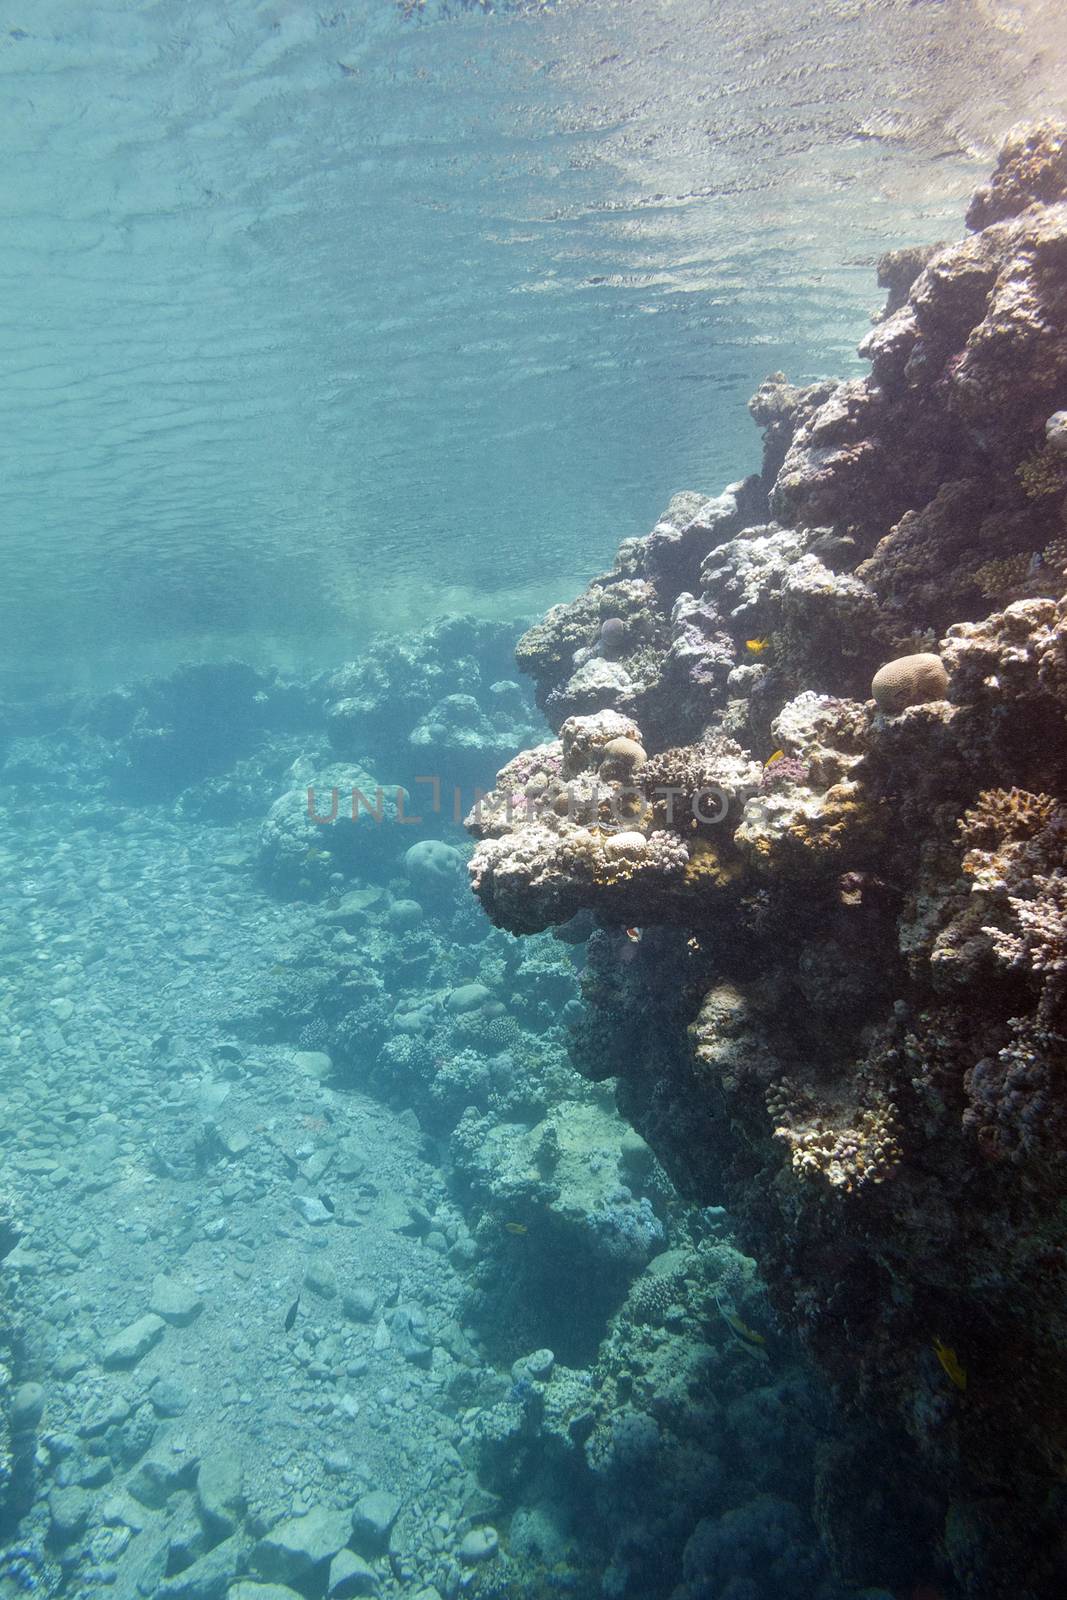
319,317
337,343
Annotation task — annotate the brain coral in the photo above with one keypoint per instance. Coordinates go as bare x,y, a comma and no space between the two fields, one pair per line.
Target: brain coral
909,681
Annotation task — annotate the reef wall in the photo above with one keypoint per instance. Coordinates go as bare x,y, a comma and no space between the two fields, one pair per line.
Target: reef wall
827,916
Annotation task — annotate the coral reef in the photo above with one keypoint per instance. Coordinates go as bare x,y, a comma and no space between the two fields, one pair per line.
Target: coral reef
463,711
333,818
808,793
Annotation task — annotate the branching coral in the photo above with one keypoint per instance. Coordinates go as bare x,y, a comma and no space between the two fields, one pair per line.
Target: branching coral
844,1145
1003,815
1038,943
1044,473
1001,578
1017,1098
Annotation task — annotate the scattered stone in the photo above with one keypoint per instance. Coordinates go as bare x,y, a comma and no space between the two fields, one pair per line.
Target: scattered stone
99,1417
157,1478
169,1397
208,1578
187,1543
311,1208
321,1279
359,1304
316,1165
234,1141
197,950
246,1590
350,1575
220,1492
372,1521
174,1301
128,1346
411,1335
69,1364
313,1063
120,1508
351,1161
464,1253
92,1473
69,1513
292,1550
27,1407
351,910
107,1544
478,1545
394,1211
23,1260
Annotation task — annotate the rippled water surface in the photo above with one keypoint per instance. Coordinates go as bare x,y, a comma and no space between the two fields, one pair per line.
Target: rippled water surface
316,317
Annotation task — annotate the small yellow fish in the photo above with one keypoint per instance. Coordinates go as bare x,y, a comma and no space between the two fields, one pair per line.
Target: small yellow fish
752,1341
518,1228
756,647
742,1329
950,1364
775,755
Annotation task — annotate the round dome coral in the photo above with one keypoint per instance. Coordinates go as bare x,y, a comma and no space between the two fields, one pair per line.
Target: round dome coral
909,681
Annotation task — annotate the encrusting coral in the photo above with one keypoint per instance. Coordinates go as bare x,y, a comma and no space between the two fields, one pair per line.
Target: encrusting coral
846,1017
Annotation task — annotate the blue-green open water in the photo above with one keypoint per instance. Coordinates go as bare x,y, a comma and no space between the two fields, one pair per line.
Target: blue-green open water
315,318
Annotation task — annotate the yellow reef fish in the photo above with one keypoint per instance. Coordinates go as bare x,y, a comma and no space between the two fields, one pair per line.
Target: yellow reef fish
950,1364
518,1228
752,1341
775,755
756,647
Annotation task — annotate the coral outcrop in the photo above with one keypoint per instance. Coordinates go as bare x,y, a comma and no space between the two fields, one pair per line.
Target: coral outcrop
808,795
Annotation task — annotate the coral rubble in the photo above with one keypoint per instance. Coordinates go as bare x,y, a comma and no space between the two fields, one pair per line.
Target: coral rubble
829,960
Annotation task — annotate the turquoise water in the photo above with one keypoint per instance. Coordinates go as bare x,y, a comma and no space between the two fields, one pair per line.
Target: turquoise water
337,342
316,319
